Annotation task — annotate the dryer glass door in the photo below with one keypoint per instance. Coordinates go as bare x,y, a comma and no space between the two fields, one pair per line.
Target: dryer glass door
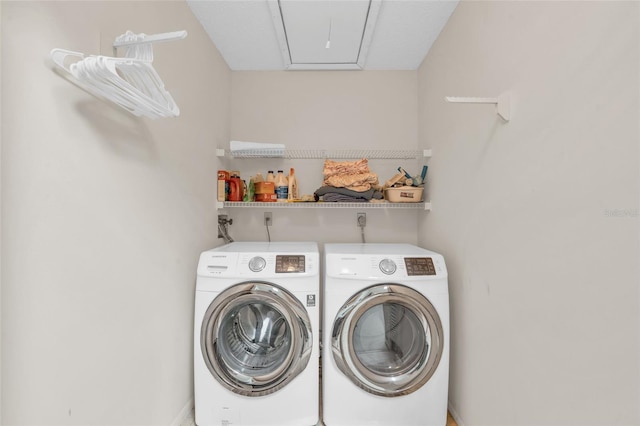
388,339
256,337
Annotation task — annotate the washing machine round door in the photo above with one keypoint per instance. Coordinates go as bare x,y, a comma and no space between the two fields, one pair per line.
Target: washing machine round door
255,338
388,339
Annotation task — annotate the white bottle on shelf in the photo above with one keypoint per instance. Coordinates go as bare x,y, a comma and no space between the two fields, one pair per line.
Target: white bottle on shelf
293,185
282,187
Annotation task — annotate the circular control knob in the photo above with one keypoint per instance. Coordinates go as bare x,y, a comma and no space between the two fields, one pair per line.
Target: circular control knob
257,264
387,266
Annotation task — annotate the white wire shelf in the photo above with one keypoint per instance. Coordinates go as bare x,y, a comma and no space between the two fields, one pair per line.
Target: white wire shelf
327,154
324,205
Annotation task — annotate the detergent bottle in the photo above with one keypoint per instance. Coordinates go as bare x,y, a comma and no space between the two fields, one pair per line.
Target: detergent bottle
282,187
236,188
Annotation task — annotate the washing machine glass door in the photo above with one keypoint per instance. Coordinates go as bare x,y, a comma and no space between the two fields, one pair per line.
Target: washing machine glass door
255,338
388,339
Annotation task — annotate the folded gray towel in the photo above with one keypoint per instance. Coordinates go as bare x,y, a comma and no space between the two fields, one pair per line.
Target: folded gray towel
341,198
367,195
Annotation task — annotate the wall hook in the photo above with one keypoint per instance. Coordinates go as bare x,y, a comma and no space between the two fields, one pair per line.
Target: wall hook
502,102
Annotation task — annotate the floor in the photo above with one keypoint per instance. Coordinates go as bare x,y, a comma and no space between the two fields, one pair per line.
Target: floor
450,420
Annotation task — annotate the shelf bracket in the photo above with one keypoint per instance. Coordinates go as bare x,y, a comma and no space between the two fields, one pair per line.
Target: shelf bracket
502,102
144,38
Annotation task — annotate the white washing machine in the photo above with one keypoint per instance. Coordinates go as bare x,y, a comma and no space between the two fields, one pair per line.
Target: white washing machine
256,339
386,336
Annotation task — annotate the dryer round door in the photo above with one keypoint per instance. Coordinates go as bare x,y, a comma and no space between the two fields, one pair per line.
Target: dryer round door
388,339
255,338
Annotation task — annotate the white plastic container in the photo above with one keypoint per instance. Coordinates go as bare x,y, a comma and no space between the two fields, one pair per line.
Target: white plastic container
403,194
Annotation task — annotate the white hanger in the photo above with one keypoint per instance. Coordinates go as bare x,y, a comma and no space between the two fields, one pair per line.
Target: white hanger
130,82
141,75
98,76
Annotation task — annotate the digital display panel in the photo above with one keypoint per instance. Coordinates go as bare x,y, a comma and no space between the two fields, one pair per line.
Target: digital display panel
289,263
419,266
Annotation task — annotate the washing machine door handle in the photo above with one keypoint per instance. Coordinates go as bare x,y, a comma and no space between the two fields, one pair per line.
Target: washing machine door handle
388,339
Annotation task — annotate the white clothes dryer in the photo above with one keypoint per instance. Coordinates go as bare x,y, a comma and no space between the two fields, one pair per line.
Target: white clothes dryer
386,336
256,339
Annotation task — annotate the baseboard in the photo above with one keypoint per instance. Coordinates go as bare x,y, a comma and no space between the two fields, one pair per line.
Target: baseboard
183,414
454,414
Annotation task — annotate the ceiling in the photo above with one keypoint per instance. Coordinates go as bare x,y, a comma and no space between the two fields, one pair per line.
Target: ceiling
323,34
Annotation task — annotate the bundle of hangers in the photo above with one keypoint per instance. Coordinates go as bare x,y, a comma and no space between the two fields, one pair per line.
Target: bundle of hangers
131,81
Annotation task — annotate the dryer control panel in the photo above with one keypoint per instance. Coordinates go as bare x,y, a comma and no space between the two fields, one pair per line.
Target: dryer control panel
415,266
419,266
381,266
383,262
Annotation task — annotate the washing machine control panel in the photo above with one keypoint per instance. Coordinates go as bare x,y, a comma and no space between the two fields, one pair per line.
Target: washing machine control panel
284,263
387,266
419,266
289,263
272,265
263,261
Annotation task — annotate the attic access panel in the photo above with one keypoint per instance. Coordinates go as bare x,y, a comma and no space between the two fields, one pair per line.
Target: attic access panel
324,34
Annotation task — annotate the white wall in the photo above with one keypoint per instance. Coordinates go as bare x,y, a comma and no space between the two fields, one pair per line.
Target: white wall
104,215
538,217
332,110
103,218
0,220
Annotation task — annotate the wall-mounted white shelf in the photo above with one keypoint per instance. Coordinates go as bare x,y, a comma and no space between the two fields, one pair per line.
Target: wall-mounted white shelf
502,103
315,154
326,154
324,205
144,38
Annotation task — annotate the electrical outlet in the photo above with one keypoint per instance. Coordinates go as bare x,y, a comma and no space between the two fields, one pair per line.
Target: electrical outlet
268,219
362,219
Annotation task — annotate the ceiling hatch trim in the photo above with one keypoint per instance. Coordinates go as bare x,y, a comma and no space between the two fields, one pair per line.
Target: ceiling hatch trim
298,34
